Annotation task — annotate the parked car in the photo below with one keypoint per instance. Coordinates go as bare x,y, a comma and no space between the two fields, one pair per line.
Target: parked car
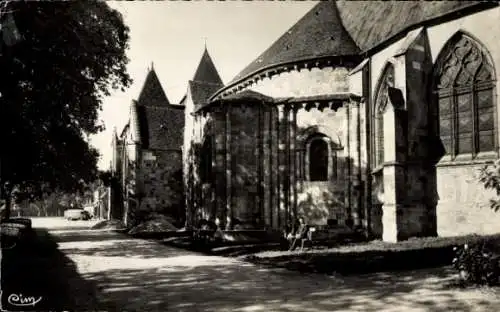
91,210
77,214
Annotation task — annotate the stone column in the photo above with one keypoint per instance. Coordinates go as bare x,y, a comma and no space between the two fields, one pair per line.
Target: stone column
356,164
282,165
267,168
394,177
213,177
259,197
347,159
219,121
228,164
288,163
196,187
293,161
275,167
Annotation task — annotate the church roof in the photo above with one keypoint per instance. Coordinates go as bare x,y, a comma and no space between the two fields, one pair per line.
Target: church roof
206,71
319,33
201,91
152,93
160,124
161,127
206,81
345,28
371,23
249,95
246,96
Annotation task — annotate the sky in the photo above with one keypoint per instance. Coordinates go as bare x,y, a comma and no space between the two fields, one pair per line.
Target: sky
171,35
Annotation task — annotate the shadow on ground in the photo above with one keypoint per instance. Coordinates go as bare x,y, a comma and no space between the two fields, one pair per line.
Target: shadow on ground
141,275
37,269
107,271
217,287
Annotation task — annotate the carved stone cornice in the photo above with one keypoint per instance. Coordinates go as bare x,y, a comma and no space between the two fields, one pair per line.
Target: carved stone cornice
270,71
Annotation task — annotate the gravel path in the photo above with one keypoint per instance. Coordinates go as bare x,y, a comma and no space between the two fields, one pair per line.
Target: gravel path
107,271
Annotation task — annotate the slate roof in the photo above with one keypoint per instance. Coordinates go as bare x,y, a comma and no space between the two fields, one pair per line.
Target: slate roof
206,71
161,127
319,33
201,91
160,123
152,93
371,23
206,81
247,96
344,28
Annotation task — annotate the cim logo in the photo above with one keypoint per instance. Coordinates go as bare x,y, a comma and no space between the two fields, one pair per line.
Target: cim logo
20,300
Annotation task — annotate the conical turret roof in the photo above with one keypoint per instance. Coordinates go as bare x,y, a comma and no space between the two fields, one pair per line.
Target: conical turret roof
152,93
206,71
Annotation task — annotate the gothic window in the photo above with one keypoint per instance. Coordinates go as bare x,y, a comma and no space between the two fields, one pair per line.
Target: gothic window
381,102
465,98
318,159
206,160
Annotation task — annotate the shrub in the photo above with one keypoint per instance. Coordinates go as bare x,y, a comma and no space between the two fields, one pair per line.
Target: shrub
489,175
477,264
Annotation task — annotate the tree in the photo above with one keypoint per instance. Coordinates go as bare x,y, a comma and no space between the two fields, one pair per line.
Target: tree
490,177
70,55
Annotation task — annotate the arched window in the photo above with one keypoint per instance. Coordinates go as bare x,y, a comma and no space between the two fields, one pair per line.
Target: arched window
206,160
318,159
464,91
381,101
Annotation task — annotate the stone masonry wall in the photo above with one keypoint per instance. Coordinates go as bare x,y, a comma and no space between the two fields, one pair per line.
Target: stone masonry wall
463,206
320,201
305,82
161,172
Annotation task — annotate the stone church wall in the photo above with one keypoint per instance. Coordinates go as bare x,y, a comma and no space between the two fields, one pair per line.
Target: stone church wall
462,202
306,82
319,201
245,152
161,173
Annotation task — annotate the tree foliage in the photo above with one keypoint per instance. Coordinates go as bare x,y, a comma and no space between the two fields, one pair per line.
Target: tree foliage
490,177
70,56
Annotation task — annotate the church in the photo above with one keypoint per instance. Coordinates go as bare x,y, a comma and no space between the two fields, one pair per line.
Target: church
376,115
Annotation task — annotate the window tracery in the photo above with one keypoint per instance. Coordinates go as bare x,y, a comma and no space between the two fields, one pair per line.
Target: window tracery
381,102
465,98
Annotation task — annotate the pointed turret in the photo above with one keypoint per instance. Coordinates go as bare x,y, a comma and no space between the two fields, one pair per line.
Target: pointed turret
152,93
206,80
206,71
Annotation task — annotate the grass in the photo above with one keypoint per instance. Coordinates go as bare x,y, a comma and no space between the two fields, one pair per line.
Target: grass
375,256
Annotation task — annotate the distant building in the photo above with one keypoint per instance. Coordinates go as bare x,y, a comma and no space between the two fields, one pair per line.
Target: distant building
147,162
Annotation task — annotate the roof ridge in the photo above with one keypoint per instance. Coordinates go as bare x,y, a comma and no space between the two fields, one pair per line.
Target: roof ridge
318,33
206,82
162,107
